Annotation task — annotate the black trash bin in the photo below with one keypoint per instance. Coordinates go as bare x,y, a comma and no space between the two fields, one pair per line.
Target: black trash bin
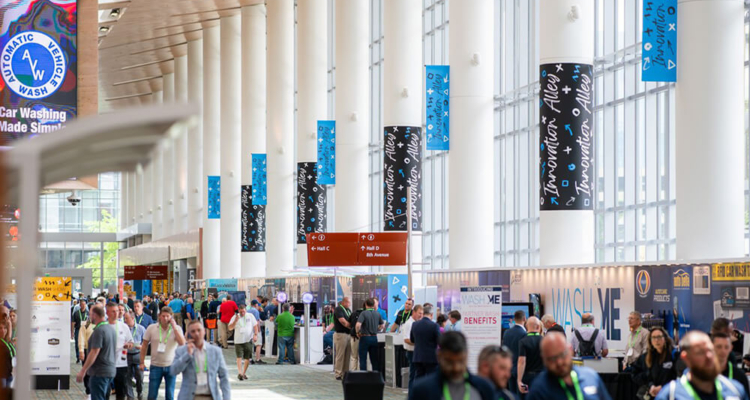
363,385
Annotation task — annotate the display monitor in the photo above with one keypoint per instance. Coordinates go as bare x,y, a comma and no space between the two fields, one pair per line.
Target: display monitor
299,310
510,308
536,301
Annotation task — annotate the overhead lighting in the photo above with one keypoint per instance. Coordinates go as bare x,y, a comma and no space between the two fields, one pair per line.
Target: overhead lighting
115,13
104,29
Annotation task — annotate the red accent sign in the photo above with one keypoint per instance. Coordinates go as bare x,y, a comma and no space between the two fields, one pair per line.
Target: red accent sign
356,249
146,272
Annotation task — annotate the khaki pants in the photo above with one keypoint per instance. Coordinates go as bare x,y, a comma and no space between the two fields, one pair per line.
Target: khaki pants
223,334
354,348
342,351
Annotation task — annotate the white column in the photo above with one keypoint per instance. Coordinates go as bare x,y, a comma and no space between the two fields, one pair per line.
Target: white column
352,115
253,111
124,189
470,199
180,148
709,128
231,120
211,146
168,164
312,85
157,182
132,194
139,193
195,137
146,195
280,137
566,236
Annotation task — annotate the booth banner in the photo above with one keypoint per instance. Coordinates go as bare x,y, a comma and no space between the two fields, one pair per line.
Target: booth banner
214,197
659,41
327,152
253,221
481,318
398,293
371,286
437,104
566,151
311,202
448,285
260,197
223,285
402,169
50,326
38,47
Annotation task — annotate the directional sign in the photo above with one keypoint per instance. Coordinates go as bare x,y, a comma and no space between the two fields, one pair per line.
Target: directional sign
382,248
145,272
356,249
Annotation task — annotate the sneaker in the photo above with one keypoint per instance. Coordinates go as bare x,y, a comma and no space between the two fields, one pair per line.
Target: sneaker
279,363
261,362
240,377
252,362
244,376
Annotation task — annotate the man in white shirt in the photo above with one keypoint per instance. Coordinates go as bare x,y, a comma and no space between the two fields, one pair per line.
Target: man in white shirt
246,330
416,314
124,343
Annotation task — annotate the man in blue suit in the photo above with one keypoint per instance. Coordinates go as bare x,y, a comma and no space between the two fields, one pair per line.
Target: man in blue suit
201,365
510,340
425,334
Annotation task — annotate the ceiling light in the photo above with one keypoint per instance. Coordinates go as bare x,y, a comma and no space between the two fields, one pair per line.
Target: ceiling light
115,13
104,29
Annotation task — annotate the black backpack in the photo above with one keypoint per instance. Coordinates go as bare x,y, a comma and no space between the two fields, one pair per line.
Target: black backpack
586,348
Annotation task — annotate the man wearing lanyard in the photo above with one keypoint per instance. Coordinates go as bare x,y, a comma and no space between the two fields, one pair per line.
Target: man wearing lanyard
529,358
342,330
79,317
124,343
369,324
141,318
452,380
8,355
134,355
637,341
403,316
201,365
100,362
164,338
244,338
723,348
405,329
561,380
702,380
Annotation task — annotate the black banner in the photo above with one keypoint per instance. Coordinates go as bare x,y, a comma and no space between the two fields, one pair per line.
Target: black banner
402,169
566,141
311,201
253,223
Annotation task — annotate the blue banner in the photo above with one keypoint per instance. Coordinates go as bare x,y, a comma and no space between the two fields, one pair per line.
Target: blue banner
659,62
260,197
398,293
326,152
223,285
214,197
438,106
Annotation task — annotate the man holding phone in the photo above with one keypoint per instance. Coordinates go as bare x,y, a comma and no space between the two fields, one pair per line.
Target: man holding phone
201,365
164,338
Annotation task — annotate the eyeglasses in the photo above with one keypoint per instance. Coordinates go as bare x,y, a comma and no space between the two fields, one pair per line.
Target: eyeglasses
657,337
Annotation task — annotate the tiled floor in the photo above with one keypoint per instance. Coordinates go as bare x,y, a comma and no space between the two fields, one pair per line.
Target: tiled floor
266,382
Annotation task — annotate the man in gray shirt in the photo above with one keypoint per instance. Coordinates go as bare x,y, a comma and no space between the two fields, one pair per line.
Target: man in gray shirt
369,323
100,363
585,335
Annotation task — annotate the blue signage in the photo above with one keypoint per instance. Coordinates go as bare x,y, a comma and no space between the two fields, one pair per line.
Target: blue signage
398,293
260,197
214,197
437,102
223,285
659,62
326,152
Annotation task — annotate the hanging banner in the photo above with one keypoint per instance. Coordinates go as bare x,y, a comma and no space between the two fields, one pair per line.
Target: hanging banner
311,202
437,101
481,318
214,197
223,285
659,38
40,66
398,293
566,153
402,169
260,198
326,152
50,331
253,223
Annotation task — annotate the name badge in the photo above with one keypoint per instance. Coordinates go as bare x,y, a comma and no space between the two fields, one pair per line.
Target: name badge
202,379
162,348
13,362
667,365
630,352
590,390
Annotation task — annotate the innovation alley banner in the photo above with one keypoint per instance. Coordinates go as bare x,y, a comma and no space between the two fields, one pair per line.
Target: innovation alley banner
326,152
260,197
39,66
311,202
659,40
214,197
253,221
402,169
437,95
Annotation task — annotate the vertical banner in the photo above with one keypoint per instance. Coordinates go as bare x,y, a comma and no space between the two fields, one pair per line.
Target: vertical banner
214,197
39,66
398,292
481,318
50,330
253,223
437,102
311,202
659,38
326,152
566,152
260,197
402,169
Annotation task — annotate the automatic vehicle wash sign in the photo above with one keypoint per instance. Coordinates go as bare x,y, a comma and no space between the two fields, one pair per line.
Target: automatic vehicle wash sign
38,64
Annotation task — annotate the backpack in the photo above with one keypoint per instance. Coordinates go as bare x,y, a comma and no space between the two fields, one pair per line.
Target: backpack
587,348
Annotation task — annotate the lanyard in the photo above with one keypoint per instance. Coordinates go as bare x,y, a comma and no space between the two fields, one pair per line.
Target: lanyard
11,348
467,389
532,334
347,312
329,319
635,337
167,338
689,388
100,324
574,378
405,317
140,320
731,371
132,331
205,363
80,317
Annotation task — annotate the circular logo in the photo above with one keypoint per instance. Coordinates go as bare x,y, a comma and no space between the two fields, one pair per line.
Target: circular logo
281,297
33,65
643,282
307,297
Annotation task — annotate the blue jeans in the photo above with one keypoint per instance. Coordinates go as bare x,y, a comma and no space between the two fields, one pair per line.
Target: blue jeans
412,370
286,345
100,387
154,381
368,344
328,340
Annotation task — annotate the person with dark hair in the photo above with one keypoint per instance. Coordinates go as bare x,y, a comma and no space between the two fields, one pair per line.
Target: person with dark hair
7,355
494,364
204,371
455,318
424,335
285,327
746,363
721,325
141,318
511,338
124,343
369,323
100,362
452,379
657,366
442,320
354,339
79,317
416,315
134,355
342,332
529,358
403,316
164,337
723,348
246,330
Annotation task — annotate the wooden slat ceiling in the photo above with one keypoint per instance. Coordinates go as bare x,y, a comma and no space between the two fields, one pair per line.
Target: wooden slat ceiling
141,45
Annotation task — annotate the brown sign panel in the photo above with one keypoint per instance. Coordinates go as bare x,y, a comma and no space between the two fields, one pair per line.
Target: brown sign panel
146,272
388,248
356,249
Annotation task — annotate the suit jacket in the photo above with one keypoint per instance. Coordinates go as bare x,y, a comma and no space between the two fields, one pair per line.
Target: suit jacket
510,340
425,334
217,369
431,387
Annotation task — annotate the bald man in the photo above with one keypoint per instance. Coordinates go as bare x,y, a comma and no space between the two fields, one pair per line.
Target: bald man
529,355
562,380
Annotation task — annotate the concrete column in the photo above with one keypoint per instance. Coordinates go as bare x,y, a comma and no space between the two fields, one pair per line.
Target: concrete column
180,148
168,166
148,209
470,200
709,130
124,200
195,137
211,145
231,120
280,137
139,193
312,104
132,194
352,115
157,182
566,217
253,115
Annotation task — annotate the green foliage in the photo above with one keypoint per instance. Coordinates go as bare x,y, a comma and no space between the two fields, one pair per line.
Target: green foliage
108,223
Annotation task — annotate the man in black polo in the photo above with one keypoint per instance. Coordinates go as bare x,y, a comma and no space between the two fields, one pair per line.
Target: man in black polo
80,316
342,330
403,316
370,322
